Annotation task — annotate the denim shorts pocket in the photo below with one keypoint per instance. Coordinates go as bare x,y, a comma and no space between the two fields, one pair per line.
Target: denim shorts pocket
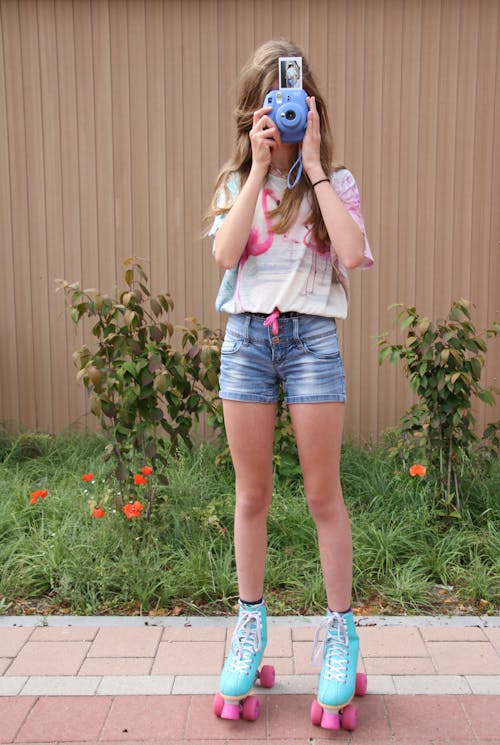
231,344
324,346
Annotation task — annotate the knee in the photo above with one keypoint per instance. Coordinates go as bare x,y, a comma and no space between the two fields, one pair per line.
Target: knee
326,506
253,502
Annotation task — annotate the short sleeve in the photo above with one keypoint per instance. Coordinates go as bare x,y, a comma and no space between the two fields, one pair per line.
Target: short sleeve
232,185
347,189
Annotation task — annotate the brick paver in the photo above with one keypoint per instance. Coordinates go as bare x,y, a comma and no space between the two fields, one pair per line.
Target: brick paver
146,718
13,712
126,642
49,658
66,719
100,682
13,640
464,658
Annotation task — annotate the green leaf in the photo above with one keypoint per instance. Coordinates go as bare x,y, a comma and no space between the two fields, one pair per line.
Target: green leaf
475,367
130,368
407,322
487,397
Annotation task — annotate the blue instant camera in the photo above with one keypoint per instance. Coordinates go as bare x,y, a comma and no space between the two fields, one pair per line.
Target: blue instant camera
289,112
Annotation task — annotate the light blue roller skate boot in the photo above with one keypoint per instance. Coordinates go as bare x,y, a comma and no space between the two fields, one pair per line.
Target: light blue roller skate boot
241,667
338,682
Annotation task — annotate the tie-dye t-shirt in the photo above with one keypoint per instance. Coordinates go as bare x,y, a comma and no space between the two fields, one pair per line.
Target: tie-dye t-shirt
288,272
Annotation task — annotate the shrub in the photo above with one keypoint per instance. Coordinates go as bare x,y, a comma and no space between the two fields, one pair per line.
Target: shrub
146,392
443,361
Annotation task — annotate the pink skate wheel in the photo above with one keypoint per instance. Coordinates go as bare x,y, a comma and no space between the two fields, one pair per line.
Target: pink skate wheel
267,676
361,684
218,705
330,720
251,709
230,711
316,712
349,717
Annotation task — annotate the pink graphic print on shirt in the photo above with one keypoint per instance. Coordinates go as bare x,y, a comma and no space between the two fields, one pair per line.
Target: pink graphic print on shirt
255,245
258,245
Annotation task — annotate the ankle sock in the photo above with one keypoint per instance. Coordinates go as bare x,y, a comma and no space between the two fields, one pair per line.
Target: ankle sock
340,612
253,602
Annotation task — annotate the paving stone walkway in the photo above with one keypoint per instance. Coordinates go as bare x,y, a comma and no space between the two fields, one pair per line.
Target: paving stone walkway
431,681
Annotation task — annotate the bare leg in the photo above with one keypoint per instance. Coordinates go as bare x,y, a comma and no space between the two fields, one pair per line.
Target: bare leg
250,433
318,430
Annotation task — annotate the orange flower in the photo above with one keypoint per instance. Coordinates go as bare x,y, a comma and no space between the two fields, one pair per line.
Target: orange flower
147,470
88,477
417,470
38,494
98,512
140,479
133,510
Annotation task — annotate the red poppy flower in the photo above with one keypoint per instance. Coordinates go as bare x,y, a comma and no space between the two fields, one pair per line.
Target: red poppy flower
133,510
98,512
38,494
140,479
88,477
147,470
417,470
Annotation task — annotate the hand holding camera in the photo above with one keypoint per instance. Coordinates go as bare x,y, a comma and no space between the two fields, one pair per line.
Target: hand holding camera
289,111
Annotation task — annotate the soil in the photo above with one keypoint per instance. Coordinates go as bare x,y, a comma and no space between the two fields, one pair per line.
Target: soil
444,603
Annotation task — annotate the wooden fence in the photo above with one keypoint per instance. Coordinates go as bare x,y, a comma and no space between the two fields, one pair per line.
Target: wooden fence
116,114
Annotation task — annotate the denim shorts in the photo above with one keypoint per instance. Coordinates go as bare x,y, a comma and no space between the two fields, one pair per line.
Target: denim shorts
304,356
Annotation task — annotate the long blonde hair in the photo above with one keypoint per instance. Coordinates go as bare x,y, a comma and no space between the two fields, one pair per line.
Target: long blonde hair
258,77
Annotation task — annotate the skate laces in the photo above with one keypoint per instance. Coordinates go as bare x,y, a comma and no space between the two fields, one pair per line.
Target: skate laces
247,641
334,647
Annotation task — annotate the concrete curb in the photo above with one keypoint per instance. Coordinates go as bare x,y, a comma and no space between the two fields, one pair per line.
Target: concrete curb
483,622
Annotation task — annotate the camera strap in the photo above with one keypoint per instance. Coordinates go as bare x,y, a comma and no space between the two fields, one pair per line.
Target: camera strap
297,165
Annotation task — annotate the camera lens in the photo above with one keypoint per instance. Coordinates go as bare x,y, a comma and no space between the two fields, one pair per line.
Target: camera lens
290,115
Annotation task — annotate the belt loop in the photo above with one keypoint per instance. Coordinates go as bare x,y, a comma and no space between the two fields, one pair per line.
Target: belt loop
296,330
246,328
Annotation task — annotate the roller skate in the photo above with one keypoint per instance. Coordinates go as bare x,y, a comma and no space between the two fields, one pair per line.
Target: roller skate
338,683
240,670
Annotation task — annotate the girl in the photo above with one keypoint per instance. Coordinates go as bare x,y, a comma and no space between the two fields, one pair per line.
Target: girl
285,251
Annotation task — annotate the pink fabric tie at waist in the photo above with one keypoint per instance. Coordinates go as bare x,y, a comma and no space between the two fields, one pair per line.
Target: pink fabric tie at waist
272,321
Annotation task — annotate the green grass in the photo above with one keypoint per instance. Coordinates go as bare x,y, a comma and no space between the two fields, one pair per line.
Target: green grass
54,557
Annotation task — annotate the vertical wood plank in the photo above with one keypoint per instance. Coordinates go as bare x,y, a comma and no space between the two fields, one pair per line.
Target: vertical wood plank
407,247
391,381
210,158
445,147
174,157
38,366
353,158
70,191
122,155
193,118
157,108
60,375
427,155
103,113
485,202
366,415
139,143
87,165
9,322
